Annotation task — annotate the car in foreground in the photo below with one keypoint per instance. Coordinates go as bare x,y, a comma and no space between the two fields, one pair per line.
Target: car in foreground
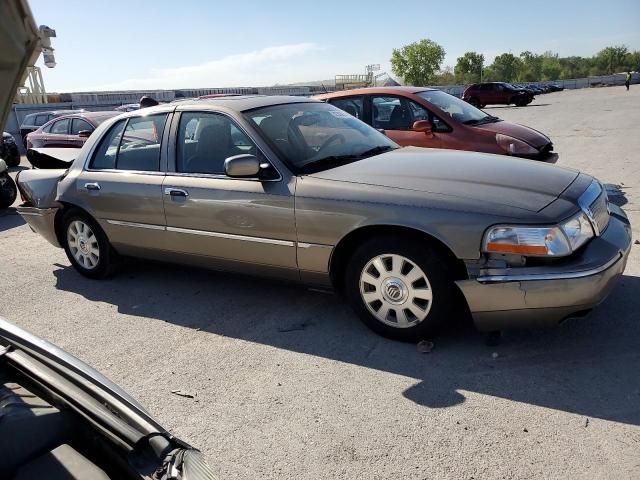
69,131
63,420
496,93
59,418
9,150
34,121
300,190
427,117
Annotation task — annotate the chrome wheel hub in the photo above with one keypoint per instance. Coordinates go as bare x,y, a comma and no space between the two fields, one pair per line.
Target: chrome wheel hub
396,290
83,244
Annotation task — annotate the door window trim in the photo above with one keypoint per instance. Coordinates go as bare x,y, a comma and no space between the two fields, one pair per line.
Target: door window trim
163,151
172,150
407,99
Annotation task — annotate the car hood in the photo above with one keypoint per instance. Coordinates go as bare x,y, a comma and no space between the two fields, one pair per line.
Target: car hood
19,39
480,177
529,135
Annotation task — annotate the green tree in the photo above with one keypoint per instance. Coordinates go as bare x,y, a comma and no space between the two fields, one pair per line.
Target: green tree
469,67
418,62
444,77
611,59
551,68
531,69
505,68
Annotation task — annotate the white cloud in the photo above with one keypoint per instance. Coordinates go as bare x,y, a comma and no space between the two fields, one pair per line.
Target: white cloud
267,66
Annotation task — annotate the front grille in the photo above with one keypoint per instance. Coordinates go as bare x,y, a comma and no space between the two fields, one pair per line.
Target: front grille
600,212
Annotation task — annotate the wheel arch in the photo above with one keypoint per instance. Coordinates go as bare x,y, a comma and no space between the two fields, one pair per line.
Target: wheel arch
59,218
350,242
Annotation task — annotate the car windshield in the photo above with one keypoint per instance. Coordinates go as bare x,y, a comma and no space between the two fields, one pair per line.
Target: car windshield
459,110
312,137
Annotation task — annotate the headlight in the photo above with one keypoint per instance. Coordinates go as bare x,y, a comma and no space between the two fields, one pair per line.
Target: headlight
540,241
513,146
578,230
527,241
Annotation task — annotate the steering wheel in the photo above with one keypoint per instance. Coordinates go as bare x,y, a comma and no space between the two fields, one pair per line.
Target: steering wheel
333,138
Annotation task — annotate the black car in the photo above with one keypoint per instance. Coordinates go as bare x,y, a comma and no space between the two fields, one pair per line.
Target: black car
33,121
9,150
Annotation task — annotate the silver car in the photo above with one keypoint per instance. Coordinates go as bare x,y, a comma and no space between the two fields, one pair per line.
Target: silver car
300,190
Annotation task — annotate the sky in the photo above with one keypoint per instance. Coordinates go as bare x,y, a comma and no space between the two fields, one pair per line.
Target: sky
167,44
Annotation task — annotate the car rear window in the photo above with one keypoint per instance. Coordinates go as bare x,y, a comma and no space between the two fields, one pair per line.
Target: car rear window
41,120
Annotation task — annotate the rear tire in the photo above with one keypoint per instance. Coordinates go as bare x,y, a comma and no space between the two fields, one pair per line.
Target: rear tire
8,190
86,245
400,288
521,102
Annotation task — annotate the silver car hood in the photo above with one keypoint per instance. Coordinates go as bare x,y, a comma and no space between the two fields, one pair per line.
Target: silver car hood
497,179
19,40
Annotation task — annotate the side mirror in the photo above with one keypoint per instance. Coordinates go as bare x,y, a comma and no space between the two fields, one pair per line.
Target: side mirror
423,126
242,166
85,133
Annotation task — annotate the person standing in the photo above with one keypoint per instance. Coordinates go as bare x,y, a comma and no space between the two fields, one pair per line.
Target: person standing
628,81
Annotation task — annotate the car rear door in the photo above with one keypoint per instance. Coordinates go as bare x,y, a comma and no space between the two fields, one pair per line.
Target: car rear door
396,116
121,185
244,224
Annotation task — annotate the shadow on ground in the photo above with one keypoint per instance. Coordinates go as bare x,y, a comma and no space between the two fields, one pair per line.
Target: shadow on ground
489,107
588,367
9,219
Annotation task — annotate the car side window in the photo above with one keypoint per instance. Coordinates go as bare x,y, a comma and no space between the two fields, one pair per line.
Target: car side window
390,113
352,105
41,120
105,156
132,144
47,129
206,140
61,127
78,125
140,144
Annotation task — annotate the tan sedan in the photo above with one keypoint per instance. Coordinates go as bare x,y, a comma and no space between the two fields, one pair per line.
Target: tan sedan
300,190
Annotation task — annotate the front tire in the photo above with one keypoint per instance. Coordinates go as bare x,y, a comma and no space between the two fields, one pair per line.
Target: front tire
86,245
400,288
8,190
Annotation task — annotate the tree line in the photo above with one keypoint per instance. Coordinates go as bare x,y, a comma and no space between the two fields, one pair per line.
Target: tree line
420,63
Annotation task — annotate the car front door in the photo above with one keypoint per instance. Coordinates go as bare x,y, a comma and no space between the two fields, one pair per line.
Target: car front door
396,116
244,224
121,185
79,125
58,135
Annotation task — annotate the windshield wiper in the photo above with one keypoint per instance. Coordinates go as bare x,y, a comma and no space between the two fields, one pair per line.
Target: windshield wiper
375,151
482,121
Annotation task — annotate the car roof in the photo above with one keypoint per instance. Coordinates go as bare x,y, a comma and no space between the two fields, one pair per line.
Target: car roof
239,103
373,90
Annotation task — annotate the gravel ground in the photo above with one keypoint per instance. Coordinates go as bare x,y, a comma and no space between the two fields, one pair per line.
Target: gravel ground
288,384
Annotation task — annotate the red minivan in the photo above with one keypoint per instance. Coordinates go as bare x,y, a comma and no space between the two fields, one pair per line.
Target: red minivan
426,117
70,131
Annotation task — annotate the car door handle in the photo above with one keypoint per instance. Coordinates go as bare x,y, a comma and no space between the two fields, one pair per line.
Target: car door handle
176,192
92,186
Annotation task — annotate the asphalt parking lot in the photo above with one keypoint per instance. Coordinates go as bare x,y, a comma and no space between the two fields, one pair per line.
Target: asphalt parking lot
287,383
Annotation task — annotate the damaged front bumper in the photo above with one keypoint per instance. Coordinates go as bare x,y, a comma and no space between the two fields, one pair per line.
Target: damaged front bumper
42,221
545,296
